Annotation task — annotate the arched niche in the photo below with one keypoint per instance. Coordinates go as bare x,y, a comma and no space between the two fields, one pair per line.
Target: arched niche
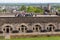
7,28
37,27
51,27
22,27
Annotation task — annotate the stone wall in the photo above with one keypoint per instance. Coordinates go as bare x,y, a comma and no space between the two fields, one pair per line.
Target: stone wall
15,22
39,25
29,19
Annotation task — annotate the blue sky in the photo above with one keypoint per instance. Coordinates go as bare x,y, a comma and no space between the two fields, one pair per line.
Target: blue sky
29,1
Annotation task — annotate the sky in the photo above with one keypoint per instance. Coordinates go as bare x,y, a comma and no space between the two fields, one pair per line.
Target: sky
29,1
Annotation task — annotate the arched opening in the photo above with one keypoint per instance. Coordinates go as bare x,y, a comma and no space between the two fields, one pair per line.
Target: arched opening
37,28
50,28
23,28
7,29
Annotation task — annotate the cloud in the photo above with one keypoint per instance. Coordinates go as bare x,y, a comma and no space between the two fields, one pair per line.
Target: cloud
29,1
51,1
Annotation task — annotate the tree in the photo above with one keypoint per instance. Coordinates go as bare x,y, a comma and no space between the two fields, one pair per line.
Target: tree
4,10
58,9
39,10
35,9
23,8
30,9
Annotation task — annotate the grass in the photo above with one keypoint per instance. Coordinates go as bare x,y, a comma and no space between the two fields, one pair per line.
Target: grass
36,38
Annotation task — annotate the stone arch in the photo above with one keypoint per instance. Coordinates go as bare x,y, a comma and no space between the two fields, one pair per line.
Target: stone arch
51,27
22,24
23,27
7,28
37,27
7,25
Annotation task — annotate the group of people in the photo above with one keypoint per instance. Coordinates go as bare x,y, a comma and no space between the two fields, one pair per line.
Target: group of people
23,14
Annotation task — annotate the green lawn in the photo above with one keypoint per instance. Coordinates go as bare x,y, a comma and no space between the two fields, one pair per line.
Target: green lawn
37,38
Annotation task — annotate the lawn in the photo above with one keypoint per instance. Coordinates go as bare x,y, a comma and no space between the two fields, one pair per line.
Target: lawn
36,38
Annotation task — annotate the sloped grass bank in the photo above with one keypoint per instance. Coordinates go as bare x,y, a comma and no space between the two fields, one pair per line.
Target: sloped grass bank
35,38
38,38
2,37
